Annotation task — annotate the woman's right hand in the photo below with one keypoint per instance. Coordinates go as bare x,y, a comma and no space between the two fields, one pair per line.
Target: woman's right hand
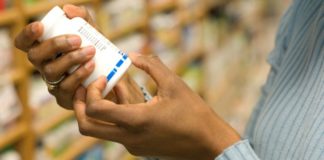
41,55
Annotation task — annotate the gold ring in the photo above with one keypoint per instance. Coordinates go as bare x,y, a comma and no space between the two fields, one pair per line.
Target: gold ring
51,85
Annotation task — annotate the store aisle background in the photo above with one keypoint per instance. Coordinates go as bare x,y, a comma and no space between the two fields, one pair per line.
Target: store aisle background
218,47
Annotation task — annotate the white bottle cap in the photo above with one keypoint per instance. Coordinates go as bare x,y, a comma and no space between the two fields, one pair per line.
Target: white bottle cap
50,19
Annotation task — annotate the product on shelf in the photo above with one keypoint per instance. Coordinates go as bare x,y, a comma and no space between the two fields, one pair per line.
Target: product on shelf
115,151
10,108
189,3
170,57
192,10
124,12
2,5
192,36
5,4
10,154
38,93
29,2
5,50
165,31
243,35
132,43
60,138
235,44
193,76
94,153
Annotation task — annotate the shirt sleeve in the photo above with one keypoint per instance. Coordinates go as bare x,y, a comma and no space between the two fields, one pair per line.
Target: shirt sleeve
241,150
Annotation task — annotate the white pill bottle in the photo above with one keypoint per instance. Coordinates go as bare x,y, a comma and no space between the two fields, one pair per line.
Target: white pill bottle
110,61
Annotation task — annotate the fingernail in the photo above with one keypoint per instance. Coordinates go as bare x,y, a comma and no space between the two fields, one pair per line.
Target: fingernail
34,27
88,51
89,65
74,41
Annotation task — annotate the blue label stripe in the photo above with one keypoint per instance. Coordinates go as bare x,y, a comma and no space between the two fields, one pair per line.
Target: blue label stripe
118,65
110,75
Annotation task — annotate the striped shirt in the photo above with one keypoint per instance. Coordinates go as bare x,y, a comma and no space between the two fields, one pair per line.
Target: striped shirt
288,121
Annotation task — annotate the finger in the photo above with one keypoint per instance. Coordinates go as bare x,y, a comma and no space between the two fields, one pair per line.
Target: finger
56,69
28,36
67,88
91,127
79,97
75,11
73,81
111,96
107,111
126,116
95,89
47,50
153,66
127,91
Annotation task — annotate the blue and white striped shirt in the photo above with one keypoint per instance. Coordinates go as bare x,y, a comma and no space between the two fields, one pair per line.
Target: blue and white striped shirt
288,121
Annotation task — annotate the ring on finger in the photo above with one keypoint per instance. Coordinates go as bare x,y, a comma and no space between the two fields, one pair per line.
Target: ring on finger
52,85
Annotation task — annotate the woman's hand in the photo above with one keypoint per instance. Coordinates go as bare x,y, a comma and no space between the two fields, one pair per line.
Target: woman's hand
43,57
176,123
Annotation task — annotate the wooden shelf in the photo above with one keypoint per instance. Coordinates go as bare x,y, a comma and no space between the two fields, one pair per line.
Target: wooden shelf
8,16
162,6
214,3
79,147
41,128
127,28
12,135
188,17
44,6
12,75
22,14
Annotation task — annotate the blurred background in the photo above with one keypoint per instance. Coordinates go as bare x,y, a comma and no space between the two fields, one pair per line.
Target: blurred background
218,47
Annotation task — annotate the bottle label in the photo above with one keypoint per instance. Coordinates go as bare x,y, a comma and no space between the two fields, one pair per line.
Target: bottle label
117,66
108,57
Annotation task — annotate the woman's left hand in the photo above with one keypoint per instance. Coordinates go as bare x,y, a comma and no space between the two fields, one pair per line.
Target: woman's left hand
176,123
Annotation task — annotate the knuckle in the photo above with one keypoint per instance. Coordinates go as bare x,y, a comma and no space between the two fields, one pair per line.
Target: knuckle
55,43
52,92
49,71
92,109
84,131
63,102
135,150
138,123
17,44
84,128
79,75
132,151
58,43
59,102
31,55
154,59
73,56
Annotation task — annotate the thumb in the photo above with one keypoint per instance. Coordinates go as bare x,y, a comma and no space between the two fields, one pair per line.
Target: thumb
153,66
73,11
95,89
